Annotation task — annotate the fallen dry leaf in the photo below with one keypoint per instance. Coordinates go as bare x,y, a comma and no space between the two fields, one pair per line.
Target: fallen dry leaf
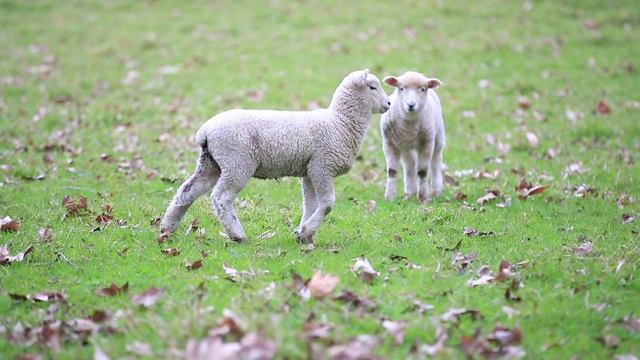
193,266
113,290
368,272
148,297
533,140
489,195
397,329
535,190
170,252
583,249
603,108
5,258
471,232
9,224
359,348
75,207
321,285
229,271
626,218
45,234
453,315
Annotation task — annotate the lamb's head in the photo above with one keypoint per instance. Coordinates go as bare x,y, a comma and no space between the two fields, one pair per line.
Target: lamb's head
411,90
365,88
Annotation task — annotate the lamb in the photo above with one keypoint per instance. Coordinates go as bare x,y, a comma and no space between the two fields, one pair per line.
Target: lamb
413,131
316,146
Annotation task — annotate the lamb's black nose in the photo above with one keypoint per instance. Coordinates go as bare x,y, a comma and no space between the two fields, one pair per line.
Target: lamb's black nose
389,103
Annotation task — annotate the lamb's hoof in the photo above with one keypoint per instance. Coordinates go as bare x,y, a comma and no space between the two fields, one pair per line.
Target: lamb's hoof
424,199
238,240
303,239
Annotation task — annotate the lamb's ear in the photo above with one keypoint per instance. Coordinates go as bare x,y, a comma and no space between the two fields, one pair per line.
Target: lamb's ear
365,74
391,80
434,83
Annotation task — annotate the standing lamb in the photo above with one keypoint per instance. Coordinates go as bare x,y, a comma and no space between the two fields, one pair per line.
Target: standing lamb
315,145
413,130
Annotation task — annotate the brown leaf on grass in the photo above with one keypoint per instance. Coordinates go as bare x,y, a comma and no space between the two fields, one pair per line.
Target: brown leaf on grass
397,329
626,218
504,271
5,258
170,252
460,196
478,346
464,260
438,346
609,340
47,296
488,196
164,236
523,185
98,354
453,315
539,189
193,266
148,297
368,272
75,206
29,356
575,167
524,102
471,232
359,348
584,191
603,108
591,24
229,326
140,349
321,285
252,346
360,302
505,336
8,224
255,95
193,226
629,322
300,287
113,290
104,218
532,139
583,249
229,271
484,174
19,297
45,234
315,330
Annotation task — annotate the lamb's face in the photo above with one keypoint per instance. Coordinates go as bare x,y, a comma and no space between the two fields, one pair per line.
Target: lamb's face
378,98
411,90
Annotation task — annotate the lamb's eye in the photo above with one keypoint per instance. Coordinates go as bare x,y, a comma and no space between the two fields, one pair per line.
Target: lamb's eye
373,88
401,88
423,89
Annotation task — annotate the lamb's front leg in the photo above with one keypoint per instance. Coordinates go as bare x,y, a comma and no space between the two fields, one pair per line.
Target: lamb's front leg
393,163
325,196
309,199
410,179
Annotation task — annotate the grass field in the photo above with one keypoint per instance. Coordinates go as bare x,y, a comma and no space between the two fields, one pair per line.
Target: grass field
100,100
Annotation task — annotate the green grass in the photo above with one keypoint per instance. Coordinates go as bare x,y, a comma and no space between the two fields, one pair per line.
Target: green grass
83,79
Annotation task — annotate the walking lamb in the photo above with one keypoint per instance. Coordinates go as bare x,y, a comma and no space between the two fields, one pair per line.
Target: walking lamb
317,146
413,131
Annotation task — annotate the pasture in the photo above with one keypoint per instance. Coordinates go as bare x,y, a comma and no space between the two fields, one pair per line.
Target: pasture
531,252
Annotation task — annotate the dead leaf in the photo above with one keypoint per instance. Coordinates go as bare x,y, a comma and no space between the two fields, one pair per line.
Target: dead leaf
98,354
489,195
438,346
193,266
609,340
574,168
113,290
139,348
471,232
5,258
397,329
148,297
368,272
164,236
104,219
300,287
453,315
505,336
45,234
533,140
349,297
321,285
603,108
46,296
626,218
583,249
255,95
229,271
9,224
535,190
359,348
75,207
170,252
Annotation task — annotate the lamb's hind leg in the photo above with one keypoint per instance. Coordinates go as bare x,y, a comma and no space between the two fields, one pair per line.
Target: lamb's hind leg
323,186
436,172
309,199
202,180
228,187
425,174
